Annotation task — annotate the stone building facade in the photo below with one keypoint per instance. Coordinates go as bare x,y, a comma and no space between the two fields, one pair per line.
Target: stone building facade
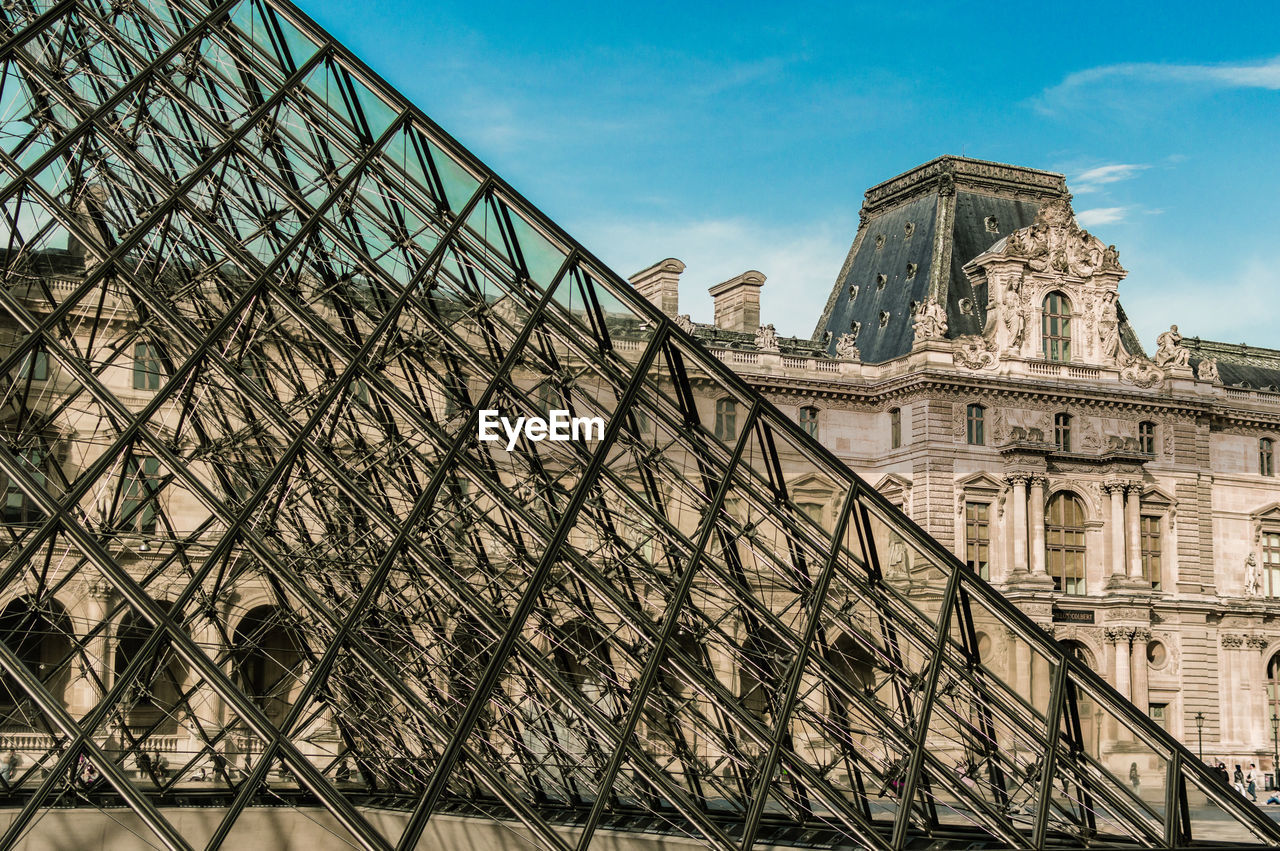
974,363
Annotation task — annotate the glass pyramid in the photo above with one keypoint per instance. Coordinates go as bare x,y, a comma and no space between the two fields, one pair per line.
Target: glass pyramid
255,559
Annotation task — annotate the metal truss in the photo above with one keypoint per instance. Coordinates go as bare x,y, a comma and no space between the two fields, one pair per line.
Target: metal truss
253,553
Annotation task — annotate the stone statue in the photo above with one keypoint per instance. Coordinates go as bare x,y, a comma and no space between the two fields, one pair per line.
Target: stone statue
847,348
1251,578
766,338
930,321
1207,370
1169,349
684,323
1109,329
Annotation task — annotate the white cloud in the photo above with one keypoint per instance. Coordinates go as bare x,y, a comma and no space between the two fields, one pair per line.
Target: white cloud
1101,216
1093,179
800,260
1126,76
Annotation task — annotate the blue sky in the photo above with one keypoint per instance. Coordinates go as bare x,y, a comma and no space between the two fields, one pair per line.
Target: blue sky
742,136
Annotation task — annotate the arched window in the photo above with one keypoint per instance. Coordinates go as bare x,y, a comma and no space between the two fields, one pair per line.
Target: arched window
267,661
1147,437
1064,543
1273,687
726,419
1062,432
1057,328
809,420
975,429
895,428
155,694
40,635
1267,457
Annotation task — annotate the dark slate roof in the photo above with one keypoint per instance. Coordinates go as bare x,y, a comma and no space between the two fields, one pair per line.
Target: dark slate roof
1238,365
962,194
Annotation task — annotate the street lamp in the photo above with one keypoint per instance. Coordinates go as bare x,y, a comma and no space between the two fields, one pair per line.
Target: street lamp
1200,732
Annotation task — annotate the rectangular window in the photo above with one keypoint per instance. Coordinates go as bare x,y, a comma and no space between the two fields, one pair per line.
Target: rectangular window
137,499
35,366
1266,457
1271,563
974,425
977,538
146,367
1159,713
726,419
809,421
18,507
1150,539
895,428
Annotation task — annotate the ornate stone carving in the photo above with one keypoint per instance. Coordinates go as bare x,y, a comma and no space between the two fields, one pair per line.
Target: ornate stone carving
846,346
1118,634
999,431
1110,349
1054,242
1141,373
929,321
1207,370
1252,578
1141,636
1169,349
1232,642
974,352
684,323
1090,440
767,338
1256,642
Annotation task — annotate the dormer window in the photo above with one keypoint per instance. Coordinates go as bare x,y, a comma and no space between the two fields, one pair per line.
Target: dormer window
1056,330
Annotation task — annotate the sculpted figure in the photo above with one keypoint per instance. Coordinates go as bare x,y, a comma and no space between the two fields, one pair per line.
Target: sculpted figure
930,321
1109,328
1169,349
1207,370
1251,578
847,347
767,338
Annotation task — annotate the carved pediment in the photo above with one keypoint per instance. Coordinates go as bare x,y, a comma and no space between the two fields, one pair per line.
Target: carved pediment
896,489
1053,255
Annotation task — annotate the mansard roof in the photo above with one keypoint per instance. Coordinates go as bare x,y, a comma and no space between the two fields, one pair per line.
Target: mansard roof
1238,364
918,230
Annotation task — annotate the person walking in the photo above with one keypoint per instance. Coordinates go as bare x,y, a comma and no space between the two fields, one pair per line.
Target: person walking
1251,782
1237,779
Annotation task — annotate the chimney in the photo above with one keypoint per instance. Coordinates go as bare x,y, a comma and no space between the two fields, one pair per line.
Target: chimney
660,285
738,302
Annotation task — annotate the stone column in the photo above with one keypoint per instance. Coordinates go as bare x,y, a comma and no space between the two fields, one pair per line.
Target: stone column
1141,638
1036,498
1133,497
206,705
95,665
1115,532
1233,730
1120,638
1018,528
1256,670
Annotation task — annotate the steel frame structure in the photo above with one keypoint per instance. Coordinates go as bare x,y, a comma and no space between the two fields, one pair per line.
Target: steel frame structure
253,303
